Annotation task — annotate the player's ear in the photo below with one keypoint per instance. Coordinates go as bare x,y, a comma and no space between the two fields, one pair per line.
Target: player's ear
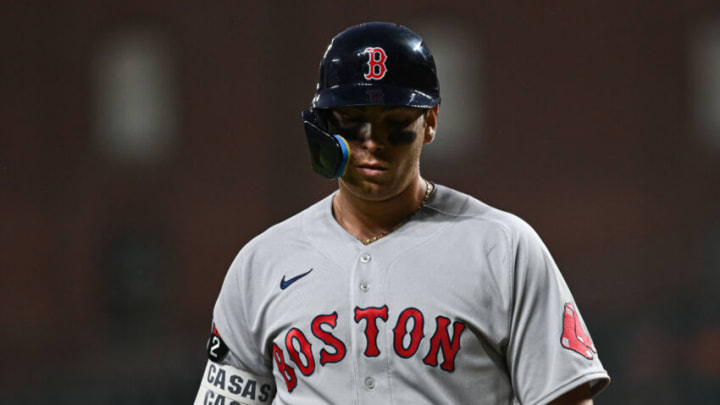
431,120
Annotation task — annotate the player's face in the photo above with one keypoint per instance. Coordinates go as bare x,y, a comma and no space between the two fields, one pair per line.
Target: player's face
385,145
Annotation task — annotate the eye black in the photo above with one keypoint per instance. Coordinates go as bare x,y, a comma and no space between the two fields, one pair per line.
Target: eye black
402,136
350,133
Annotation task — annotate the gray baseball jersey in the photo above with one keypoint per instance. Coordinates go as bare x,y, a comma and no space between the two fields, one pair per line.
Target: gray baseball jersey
463,304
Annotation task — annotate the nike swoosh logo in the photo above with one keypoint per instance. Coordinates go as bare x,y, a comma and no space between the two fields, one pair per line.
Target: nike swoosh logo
285,284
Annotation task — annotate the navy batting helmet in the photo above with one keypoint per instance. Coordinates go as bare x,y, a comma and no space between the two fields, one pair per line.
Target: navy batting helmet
377,64
368,64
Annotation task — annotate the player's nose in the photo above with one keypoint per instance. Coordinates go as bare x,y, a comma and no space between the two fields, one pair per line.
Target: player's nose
371,137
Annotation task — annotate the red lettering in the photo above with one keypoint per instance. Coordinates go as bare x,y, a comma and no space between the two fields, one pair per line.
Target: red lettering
296,335
416,334
441,339
328,338
376,63
286,371
371,330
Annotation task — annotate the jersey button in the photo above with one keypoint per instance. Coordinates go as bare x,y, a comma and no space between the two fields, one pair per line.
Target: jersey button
364,286
365,258
370,382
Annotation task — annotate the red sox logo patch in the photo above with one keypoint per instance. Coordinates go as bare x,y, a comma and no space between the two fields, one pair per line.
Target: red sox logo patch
376,63
574,336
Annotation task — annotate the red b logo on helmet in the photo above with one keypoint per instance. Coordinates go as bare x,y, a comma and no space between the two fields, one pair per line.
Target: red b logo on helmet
376,62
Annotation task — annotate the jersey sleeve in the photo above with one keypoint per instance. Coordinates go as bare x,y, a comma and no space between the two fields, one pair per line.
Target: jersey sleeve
236,368
550,351
231,320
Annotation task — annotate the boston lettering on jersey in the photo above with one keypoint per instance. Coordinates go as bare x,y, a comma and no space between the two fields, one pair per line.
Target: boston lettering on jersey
445,340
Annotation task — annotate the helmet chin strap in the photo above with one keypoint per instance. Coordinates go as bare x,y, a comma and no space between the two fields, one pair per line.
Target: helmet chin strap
329,154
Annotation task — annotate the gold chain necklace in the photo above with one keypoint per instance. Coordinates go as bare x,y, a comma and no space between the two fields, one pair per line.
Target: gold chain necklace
428,189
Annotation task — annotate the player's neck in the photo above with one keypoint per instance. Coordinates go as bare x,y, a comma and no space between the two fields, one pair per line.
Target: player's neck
366,219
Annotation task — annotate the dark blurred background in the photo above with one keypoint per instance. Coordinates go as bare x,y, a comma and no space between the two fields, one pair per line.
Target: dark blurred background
142,143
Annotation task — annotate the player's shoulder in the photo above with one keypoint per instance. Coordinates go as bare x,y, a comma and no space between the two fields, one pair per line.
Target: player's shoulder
289,232
470,212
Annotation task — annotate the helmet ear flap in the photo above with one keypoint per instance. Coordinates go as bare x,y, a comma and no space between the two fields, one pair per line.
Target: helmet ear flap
314,116
318,117
329,154
322,118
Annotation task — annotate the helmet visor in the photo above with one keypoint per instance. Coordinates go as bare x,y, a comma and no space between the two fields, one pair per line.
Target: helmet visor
373,94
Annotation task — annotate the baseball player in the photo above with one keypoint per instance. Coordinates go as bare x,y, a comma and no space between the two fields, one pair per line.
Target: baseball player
393,289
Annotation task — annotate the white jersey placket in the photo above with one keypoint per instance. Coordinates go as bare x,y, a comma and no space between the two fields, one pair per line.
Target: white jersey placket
367,299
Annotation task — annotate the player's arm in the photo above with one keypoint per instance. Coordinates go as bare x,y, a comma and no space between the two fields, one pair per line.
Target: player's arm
228,380
581,395
551,356
224,384
235,373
